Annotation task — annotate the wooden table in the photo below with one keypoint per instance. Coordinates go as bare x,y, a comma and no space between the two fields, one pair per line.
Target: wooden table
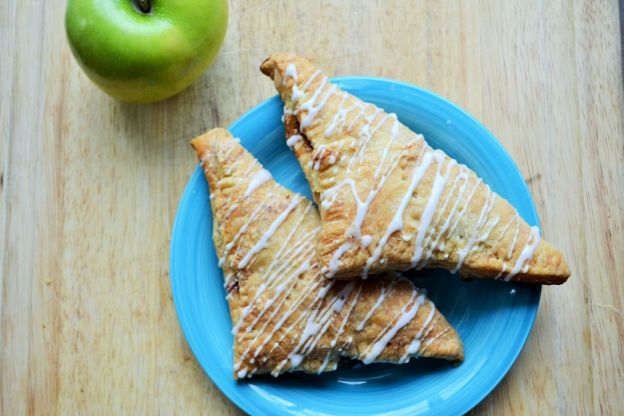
89,188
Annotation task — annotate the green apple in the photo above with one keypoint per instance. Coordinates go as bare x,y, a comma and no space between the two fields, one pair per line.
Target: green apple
145,50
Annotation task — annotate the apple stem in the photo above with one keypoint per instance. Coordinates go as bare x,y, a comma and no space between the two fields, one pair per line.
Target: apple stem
144,5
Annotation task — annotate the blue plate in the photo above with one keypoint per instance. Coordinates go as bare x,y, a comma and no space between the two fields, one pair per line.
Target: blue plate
493,318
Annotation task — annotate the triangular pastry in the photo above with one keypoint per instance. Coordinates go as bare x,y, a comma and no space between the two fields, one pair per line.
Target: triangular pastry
388,201
286,316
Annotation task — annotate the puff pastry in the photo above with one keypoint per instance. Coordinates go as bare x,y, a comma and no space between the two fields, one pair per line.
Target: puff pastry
388,201
286,316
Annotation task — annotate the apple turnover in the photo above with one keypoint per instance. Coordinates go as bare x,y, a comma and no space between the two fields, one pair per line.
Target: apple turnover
388,201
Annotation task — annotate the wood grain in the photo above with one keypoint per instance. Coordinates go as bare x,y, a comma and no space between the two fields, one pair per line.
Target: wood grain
89,188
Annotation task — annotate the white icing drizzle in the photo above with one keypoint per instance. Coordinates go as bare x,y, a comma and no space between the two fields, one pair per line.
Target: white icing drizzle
397,220
341,328
277,308
515,237
414,346
262,243
526,254
298,93
503,270
334,262
320,294
362,206
243,229
339,118
432,339
234,204
310,287
279,289
316,325
227,279
432,203
249,169
394,133
504,230
474,237
241,373
224,154
313,110
258,179
382,296
287,252
467,203
291,72
287,263
404,318
292,140
366,240
366,134
317,157
433,240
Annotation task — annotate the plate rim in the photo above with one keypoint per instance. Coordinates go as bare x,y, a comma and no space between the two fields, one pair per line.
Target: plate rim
248,406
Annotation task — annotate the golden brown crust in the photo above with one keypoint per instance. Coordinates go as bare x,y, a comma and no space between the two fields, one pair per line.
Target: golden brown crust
286,316
352,151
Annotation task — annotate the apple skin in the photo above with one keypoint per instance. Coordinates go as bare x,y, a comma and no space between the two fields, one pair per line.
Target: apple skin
145,57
